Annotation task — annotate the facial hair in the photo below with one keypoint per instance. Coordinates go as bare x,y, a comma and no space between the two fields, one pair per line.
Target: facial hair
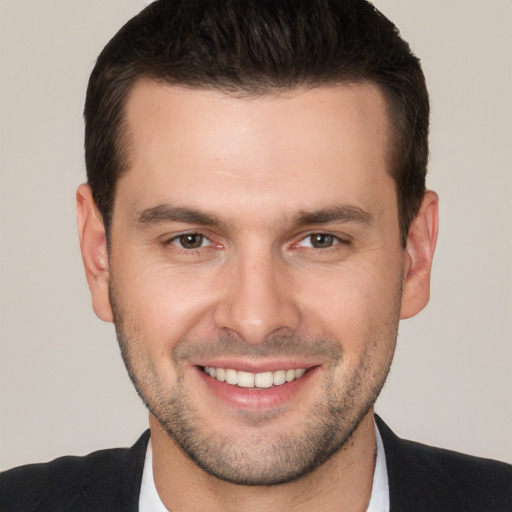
250,456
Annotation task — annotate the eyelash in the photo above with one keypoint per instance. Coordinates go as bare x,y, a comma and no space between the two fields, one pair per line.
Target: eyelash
177,238
336,241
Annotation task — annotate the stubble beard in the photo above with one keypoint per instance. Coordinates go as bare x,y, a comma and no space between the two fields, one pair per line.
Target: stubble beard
252,459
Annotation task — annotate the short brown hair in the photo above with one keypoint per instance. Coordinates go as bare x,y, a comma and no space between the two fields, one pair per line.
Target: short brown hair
259,47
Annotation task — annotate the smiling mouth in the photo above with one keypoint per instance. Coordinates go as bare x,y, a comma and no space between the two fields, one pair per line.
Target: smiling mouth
263,380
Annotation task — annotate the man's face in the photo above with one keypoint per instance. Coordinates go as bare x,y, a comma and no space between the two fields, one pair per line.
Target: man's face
258,237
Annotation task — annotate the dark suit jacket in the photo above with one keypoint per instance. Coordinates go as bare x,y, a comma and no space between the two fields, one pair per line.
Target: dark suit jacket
421,478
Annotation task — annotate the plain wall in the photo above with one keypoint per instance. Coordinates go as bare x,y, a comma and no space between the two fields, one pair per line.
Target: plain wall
63,387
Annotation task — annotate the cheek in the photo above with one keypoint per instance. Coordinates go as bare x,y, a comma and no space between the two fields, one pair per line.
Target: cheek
165,305
362,316
355,306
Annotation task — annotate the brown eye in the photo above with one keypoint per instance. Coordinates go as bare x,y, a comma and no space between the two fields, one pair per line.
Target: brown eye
322,240
191,241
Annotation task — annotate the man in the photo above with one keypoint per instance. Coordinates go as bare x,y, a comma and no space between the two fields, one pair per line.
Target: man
255,224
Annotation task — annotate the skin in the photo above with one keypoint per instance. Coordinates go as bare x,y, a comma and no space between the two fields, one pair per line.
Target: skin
265,174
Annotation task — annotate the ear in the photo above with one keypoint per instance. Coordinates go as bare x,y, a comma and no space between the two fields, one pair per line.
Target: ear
421,244
93,244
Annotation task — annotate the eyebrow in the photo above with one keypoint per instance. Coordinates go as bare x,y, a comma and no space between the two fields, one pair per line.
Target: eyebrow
166,213
342,213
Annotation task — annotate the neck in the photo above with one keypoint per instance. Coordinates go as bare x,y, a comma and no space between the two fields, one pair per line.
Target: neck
343,482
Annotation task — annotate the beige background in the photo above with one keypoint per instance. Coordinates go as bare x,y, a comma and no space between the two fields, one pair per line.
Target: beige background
63,388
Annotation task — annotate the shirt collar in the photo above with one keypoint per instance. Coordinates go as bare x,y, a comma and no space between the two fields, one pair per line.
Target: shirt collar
379,499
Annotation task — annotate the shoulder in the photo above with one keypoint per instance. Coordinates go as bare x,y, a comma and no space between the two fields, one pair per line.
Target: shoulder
443,480
93,482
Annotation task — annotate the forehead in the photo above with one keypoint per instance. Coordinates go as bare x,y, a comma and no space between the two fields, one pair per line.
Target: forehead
209,146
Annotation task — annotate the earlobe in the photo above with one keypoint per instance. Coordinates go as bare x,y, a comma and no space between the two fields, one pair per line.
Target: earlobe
93,246
421,244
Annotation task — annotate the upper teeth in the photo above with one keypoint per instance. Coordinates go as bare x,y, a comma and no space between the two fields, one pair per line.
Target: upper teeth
254,380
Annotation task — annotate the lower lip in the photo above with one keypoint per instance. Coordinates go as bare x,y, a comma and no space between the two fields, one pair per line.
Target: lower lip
254,398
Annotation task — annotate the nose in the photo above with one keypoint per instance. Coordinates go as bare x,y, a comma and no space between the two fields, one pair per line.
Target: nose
257,298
